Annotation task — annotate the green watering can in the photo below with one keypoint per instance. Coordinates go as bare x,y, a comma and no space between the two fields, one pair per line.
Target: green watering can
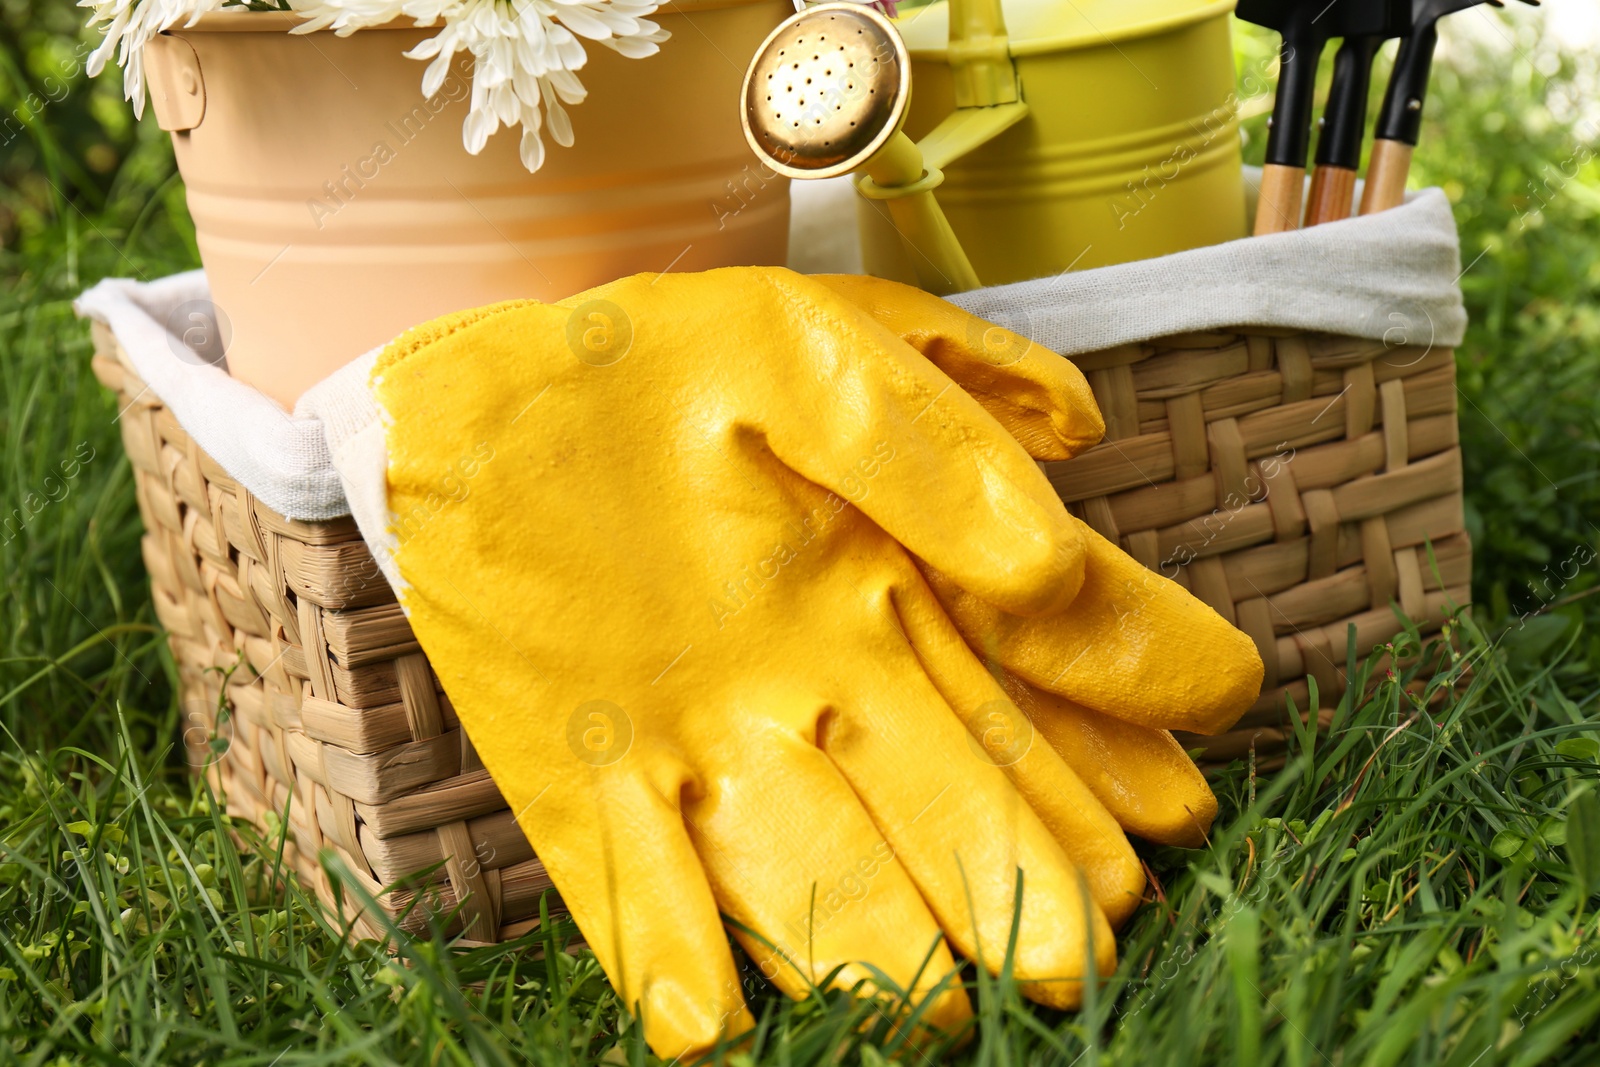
1059,134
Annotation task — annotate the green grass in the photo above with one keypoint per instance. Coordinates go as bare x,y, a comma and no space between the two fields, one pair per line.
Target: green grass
1414,887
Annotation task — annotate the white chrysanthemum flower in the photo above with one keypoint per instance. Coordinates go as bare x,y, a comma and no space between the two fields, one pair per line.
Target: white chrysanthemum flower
128,26
525,54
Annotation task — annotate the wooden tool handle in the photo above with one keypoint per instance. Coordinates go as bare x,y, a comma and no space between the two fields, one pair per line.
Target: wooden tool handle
1386,176
1282,188
1332,193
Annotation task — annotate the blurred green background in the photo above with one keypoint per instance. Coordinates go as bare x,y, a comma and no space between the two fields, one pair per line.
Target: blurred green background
86,703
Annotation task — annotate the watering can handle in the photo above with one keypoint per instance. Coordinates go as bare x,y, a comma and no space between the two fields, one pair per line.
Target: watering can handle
980,54
988,102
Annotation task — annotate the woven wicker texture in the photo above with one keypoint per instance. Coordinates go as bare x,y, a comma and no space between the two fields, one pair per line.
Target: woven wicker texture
1293,482
333,711
1297,483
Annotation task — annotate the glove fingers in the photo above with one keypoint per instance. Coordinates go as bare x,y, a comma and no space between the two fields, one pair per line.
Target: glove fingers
617,850
866,416
962,832
793,858
1134,645
1005,735
1040,398
1143,776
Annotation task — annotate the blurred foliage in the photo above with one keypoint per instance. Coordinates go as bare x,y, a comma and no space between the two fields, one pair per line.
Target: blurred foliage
1528,203
1512,135
74,164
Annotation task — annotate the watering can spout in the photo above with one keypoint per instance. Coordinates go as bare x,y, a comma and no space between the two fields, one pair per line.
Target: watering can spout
826,94
817,105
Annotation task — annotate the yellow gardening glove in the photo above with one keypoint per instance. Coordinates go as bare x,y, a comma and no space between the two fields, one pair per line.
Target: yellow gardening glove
1136,655
679,617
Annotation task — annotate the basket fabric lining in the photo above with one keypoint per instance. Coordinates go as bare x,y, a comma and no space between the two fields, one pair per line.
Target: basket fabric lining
1391,277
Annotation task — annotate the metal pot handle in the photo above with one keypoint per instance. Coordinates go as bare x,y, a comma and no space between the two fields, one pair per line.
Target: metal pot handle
177,89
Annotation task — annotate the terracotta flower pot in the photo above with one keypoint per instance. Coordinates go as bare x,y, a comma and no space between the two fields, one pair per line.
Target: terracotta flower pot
334,207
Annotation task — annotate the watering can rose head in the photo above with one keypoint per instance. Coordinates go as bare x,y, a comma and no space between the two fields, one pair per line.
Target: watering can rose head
525,52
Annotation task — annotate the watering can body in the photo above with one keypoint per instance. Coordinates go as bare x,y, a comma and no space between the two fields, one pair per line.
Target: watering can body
1129,149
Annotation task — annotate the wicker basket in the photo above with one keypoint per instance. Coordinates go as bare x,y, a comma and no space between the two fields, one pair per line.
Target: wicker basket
332,709
1294,482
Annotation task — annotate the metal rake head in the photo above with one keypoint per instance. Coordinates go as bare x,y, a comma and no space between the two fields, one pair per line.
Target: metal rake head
1318,21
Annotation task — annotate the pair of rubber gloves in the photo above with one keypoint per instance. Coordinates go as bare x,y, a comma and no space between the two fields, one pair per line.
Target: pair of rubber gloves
757,606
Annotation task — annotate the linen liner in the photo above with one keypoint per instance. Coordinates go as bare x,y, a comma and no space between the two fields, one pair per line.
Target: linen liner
1392,276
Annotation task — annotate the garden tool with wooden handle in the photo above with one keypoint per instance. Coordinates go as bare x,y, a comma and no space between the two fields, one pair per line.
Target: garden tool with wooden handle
1344,118
838,104
1400,121
731,700
1305,26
